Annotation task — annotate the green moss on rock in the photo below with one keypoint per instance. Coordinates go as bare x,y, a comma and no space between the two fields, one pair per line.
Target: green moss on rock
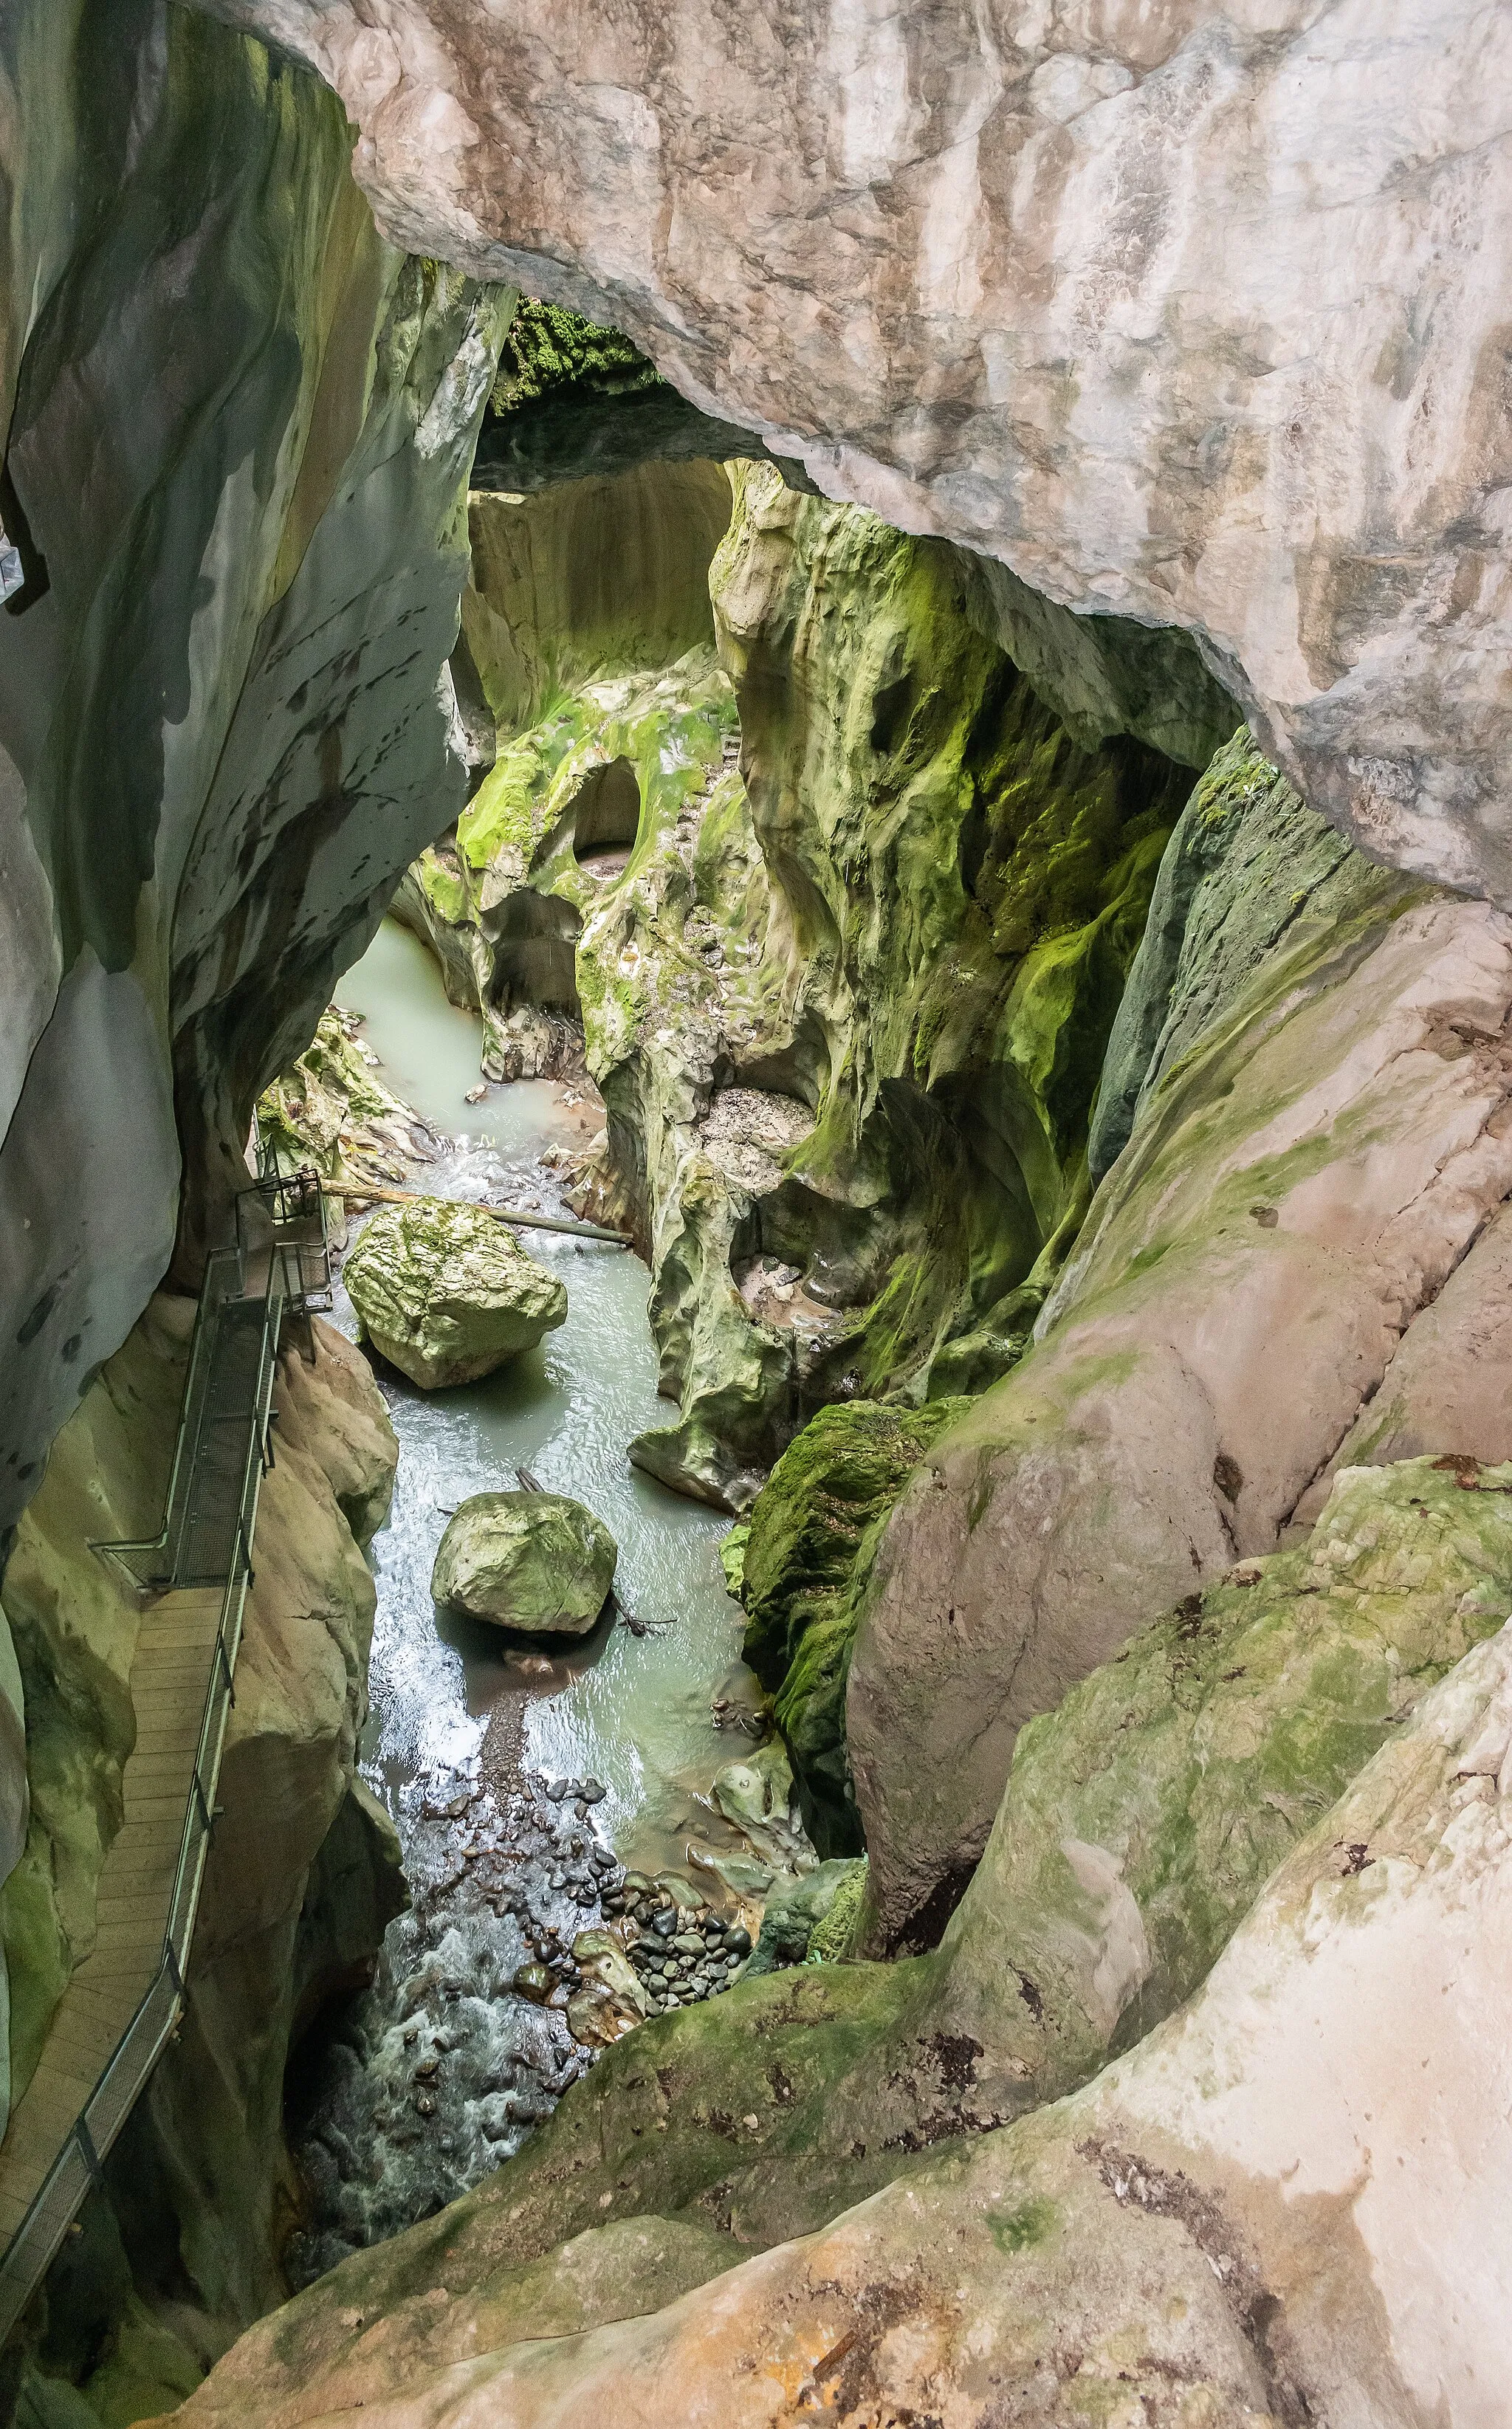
539,1563
809,1536
549,350
446,1292
329,1111
906,916
1143,1813
1247,860
798,1911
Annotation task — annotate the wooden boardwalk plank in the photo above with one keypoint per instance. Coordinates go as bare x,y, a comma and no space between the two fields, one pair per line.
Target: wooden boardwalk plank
172,1673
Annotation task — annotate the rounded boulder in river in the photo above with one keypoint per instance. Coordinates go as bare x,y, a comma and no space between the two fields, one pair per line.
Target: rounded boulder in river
539,1563
445,1293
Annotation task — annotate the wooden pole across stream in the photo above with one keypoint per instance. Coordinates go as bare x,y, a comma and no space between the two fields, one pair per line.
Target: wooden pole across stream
369,1194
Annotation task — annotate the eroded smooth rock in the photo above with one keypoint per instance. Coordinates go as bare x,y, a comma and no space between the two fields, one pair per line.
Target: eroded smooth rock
897,899
1300,1184
1316,2142
538,1563
445,1293
307,457
1129,297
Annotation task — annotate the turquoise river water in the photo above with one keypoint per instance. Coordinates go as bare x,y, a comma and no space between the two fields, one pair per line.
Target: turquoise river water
632,1712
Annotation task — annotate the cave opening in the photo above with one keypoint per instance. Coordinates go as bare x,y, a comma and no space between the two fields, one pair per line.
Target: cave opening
606,818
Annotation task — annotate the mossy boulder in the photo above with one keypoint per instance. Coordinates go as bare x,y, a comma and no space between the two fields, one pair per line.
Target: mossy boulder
798,1915
535,1563
330,1111
447,1294
801,1554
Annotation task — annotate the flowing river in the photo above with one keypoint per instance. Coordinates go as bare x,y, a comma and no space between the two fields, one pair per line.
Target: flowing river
630,1712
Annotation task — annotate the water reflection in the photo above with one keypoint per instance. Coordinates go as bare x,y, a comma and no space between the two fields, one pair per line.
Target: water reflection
631,1711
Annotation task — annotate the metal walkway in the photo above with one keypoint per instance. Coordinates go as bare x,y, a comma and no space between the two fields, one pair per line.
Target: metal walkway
123,2003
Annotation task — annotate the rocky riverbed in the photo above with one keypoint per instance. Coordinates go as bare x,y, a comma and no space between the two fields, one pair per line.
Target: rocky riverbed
470,2034
527,1947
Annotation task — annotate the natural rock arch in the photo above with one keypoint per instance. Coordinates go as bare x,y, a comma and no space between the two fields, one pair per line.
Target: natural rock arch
1195,315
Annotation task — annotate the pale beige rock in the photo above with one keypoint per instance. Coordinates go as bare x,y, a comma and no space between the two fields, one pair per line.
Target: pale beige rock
1285,2206
1299,1186
1447,1388
1196,314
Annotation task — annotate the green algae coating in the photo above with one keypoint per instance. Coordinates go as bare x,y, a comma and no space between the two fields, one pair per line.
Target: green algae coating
445,1293
535,1563
910,909
836,1933
308,1114
1248,863
808,1538
797,1912
1196,1759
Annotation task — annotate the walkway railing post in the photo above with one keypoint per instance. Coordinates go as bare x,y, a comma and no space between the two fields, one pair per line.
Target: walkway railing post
290,1211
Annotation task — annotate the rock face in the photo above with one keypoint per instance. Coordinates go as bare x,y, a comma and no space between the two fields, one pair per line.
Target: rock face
848,1001
329,1111
811,1531
303,1874
534,1563
1300,1184
1256,2204
238,427
1195,317
445,1293
574,402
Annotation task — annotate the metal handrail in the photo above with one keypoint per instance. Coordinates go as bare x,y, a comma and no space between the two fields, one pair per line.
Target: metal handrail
148,1561
297,1245
79,2161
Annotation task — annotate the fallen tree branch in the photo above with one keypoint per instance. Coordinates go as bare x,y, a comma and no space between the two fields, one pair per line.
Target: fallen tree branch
366,1194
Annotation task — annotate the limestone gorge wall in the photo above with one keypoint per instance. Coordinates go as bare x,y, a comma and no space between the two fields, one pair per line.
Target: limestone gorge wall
1189,312
240,424
237,422
845,917
1047,1129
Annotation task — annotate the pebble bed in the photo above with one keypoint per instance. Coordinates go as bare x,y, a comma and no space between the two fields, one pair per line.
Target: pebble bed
431,2078
681,1953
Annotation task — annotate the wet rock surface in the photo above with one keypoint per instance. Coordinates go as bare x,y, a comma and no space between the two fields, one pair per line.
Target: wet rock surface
445,1293
538,1563
527,1948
